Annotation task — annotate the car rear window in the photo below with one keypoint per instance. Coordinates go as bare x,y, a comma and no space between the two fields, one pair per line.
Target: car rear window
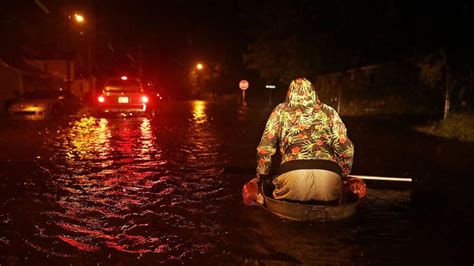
122,85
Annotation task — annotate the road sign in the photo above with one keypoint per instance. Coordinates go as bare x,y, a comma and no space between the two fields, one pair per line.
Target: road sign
243,84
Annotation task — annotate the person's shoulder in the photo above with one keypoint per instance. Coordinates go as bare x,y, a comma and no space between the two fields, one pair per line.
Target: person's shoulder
280,107
328,109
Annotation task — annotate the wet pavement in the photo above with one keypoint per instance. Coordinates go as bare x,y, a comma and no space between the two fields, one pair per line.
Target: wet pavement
82,190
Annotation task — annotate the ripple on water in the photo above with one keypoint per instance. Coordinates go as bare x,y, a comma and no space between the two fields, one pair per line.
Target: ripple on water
111,185
118,190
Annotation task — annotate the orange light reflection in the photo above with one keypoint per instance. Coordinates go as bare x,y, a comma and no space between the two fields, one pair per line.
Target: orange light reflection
89,139
146,139
199,112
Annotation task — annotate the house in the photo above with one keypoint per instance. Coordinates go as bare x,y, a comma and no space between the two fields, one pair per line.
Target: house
391,88
18,77
80,86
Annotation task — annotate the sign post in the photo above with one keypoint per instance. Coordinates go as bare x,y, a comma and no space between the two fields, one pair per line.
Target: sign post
270,89
243,85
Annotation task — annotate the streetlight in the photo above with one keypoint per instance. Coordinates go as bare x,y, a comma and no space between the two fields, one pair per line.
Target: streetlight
196,77
79,18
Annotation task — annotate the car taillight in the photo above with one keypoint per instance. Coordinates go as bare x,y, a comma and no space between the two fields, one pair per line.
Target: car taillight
144,99
101,99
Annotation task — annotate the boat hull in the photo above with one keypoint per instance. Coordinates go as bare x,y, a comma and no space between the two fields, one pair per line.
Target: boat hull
306,212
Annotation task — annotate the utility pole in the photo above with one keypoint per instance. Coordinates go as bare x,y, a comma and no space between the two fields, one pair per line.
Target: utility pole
140,61
68,50
339,96
447,90
89,59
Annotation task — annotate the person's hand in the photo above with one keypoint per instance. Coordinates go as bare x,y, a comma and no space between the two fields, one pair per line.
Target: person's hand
356,186
251,193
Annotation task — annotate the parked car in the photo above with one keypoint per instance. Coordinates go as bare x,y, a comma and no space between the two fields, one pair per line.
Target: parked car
43,103
126,96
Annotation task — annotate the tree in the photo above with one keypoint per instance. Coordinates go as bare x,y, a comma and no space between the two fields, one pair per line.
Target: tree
442,71
204,83
297,38
432,68
280,60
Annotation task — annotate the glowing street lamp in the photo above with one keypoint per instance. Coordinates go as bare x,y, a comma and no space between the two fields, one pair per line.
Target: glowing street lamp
79,18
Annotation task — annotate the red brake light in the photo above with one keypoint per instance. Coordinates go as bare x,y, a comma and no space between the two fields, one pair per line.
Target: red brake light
101,99
144,99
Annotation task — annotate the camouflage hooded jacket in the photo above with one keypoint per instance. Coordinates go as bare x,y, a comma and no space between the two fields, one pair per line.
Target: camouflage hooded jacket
306,129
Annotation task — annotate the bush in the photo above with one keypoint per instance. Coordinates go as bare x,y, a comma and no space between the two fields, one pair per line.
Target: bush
456,126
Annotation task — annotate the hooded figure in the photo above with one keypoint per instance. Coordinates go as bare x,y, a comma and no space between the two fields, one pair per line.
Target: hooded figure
316,152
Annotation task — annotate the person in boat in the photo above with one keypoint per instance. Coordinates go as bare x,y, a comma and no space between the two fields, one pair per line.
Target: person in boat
316,153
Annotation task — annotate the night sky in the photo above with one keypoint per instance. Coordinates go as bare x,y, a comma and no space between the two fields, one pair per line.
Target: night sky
167,38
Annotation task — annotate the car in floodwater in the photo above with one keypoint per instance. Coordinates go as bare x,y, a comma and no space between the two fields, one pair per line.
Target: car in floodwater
126,96
42,104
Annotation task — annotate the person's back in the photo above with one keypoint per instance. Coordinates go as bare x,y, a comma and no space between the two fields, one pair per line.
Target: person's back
316,152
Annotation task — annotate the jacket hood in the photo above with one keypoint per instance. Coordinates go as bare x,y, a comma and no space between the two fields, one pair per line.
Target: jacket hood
302,93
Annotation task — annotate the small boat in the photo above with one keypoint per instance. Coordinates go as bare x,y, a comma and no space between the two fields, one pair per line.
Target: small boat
305,211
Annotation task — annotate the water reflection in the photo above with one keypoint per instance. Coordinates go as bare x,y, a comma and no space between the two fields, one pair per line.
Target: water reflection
242,112
88,138
146,139
91,138
115,190
113,187
104,187
199,112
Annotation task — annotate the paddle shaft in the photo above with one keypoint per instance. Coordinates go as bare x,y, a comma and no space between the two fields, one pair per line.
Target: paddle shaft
382,178
247,170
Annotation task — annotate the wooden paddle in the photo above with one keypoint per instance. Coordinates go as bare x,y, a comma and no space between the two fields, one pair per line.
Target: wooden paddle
248,170
388,182
382,178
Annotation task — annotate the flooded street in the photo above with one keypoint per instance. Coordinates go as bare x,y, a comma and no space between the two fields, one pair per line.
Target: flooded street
86,190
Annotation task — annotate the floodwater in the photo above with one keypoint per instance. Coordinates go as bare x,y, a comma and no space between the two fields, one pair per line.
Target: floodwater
82,190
